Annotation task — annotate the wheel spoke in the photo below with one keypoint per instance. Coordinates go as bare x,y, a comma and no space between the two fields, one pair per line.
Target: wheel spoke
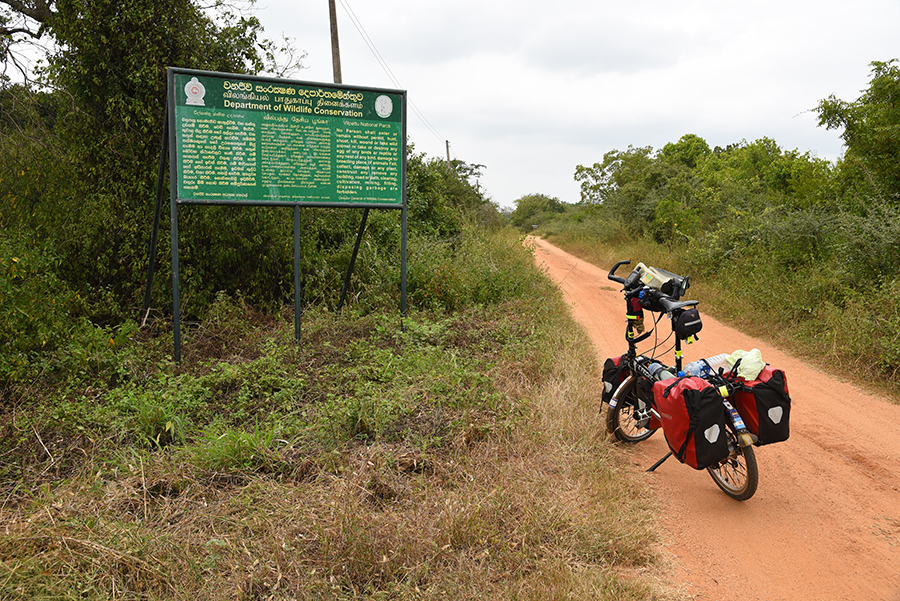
737,474
622,421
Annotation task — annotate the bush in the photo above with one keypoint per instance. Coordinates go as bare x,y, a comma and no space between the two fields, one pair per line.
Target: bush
472,270
36,308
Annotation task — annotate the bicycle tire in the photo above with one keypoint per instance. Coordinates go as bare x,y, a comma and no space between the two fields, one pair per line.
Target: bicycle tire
620,420
737,475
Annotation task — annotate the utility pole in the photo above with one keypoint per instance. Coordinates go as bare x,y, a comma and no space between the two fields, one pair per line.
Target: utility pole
335,48
448,154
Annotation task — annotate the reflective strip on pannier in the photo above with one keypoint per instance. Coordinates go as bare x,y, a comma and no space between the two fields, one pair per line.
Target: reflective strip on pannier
766,407
693,420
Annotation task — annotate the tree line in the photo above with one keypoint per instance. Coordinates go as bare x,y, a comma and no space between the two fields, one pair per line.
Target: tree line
812,245
79,154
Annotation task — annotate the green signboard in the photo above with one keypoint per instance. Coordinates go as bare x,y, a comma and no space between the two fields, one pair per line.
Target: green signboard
248,140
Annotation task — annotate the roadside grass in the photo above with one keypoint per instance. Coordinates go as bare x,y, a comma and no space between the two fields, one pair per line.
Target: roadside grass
790,309
459,456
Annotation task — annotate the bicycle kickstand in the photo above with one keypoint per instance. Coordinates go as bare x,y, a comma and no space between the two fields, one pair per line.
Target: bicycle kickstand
660,462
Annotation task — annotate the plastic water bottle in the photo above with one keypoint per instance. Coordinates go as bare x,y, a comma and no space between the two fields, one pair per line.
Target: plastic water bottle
697,368
706,367
659,371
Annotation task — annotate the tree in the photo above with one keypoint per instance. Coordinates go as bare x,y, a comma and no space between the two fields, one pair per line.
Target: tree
104,109
533,208
763,169
618,169
871,127
688,151
22,23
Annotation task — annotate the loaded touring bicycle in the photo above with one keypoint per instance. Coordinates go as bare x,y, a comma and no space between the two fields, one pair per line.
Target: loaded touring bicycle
713,412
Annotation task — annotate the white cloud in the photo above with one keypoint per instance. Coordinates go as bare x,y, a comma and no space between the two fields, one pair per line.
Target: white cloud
531,89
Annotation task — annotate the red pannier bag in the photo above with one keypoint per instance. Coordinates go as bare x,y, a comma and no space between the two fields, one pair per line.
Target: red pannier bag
645,391
766,407
614,373
693,420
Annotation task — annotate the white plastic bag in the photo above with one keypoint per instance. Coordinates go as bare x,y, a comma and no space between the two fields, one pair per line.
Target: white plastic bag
751,363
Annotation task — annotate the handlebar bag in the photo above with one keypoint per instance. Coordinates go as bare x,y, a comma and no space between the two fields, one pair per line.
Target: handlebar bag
688,323
766,406
693,420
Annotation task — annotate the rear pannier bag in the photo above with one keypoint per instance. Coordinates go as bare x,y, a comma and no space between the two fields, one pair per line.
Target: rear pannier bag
614,373
766,407
693,420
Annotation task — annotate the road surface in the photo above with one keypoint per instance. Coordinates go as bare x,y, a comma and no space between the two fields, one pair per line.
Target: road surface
824,523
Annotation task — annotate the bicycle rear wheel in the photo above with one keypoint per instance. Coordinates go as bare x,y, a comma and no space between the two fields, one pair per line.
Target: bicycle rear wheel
737,475
628,419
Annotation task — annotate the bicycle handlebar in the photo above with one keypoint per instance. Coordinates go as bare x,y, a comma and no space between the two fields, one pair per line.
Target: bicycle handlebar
633,278
612,272
667,302
633,287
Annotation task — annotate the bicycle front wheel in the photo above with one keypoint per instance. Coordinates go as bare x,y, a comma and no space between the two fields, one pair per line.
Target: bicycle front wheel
629,418
737,475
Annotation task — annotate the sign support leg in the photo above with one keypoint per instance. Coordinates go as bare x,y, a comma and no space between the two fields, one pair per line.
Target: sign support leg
157,210
298,290
359,235
403,266
176,301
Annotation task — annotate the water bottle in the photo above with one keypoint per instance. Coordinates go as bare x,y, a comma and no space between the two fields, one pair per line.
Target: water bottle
706,367
697,368
659,371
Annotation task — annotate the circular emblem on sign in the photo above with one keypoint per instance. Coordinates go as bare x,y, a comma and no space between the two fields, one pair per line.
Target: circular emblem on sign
384,106
195,92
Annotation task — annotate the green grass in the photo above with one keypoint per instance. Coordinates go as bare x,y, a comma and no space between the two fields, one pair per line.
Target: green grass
458,455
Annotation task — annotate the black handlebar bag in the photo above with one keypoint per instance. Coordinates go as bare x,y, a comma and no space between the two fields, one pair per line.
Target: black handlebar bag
693,420
687,324
766,406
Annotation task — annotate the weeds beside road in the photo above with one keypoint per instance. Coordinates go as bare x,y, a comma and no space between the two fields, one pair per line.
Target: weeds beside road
460,458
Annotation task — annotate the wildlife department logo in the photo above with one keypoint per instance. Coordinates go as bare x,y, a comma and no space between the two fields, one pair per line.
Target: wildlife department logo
195,92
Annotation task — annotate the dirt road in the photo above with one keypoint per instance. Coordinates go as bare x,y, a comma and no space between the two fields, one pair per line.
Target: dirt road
825,521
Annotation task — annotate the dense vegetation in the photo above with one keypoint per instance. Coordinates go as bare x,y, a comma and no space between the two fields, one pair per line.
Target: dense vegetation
79,154
453,454
779,240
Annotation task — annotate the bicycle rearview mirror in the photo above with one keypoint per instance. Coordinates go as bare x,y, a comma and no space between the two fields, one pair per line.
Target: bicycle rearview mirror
685,284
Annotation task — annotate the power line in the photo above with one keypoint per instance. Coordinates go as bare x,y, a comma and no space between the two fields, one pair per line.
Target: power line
365,36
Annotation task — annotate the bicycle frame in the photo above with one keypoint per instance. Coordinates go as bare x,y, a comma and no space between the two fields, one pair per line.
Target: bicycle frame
633,340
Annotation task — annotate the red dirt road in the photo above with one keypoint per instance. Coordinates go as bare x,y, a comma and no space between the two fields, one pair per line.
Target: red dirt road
825,521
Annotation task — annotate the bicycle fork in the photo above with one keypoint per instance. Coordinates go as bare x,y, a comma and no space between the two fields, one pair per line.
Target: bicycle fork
643,410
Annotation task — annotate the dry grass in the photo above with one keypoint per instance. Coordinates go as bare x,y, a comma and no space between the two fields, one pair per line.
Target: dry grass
536,506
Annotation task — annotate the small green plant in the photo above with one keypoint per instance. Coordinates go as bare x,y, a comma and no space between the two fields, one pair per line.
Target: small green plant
236,450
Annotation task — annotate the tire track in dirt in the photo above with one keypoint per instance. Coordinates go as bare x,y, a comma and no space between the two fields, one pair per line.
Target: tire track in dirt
825,521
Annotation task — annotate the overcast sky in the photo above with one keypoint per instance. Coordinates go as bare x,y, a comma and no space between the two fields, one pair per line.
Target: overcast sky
531,89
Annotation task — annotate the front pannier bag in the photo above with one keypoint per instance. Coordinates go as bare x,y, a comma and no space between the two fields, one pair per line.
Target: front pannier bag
614,373
693,420
766,407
